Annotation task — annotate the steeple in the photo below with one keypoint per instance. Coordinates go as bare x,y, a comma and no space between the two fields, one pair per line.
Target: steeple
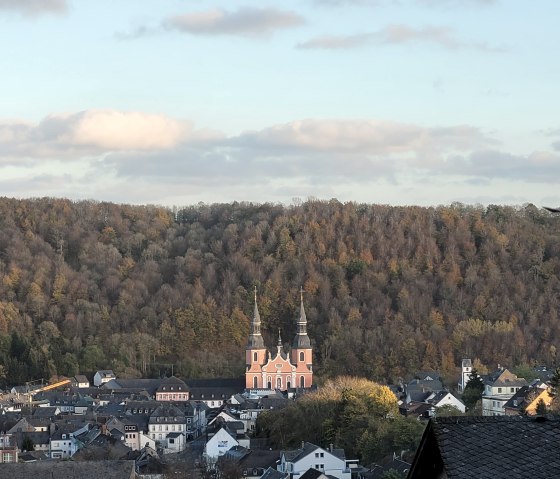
255,338
301,341
279,342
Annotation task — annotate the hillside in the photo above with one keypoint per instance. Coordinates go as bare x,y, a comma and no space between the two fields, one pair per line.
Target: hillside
388,290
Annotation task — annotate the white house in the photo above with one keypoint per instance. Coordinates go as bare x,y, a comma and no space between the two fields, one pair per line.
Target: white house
219,444
164,421
445,398
103,376
330,461
499,387
135,438
80,381
63,443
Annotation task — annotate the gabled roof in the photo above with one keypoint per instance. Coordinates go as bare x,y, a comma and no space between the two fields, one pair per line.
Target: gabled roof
501,447
273,474
308,448
311,473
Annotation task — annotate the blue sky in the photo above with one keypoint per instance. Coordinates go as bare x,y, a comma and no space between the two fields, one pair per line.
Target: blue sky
382,101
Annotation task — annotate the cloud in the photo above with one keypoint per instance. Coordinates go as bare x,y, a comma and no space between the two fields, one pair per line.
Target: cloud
430,3
92,131
34,7
246,21
396,35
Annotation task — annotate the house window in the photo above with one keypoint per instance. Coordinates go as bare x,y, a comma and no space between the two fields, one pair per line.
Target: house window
512,390
499,390
302,356
321,454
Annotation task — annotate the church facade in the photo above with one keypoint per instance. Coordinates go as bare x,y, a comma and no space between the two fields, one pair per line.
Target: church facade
278,370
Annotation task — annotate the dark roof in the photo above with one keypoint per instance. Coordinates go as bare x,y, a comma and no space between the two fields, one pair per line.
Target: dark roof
172,384
311,473
517,400
501,447
273,474
61,469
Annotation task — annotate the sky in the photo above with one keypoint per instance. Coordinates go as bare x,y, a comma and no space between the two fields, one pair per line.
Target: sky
176,102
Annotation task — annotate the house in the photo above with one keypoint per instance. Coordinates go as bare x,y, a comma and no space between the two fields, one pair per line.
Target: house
163,422
103,376
63,442
525,401
220,443
501,447
8,450
172,389
445,398
251,463
80,381
499,387
134,437
214,392
329,461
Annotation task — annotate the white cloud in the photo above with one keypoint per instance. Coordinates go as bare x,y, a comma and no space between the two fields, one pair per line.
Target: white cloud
246,21
396,35
34,7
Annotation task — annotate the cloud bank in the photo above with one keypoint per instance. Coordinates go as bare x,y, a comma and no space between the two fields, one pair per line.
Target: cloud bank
100,151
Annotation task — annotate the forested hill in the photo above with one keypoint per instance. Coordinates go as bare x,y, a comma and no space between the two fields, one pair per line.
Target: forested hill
388,290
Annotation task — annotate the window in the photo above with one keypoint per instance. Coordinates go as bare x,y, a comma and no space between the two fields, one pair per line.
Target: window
499,390
301,382
255,382
302,356
279,383
512,390
255,357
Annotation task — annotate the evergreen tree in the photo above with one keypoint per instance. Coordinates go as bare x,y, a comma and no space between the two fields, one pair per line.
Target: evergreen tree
541,408
555,382
473,390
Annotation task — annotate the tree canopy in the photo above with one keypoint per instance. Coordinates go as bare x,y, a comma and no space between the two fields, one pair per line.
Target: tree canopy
388,290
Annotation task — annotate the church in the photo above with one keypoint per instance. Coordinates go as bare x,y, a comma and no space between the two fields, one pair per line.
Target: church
277,370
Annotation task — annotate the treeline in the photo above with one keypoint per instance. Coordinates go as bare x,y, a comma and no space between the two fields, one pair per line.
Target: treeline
388,290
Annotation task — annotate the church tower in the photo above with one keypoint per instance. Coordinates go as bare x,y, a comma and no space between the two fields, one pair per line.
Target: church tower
255,352
278,371
301,354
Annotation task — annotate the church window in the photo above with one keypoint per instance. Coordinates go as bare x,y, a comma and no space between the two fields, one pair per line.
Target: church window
269,382
255,357
301,382
255,382
288,384
279,383
302,356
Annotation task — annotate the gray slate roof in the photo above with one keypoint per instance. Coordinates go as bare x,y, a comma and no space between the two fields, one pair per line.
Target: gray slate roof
69,469
501,447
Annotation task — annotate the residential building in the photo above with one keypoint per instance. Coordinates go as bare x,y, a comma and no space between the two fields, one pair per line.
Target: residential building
172,389
103,376
499,387
330,461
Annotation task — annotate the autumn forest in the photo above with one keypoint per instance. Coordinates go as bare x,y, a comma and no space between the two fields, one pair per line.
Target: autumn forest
388,290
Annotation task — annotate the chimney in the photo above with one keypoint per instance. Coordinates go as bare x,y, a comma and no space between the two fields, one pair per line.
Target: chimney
331,447
302,444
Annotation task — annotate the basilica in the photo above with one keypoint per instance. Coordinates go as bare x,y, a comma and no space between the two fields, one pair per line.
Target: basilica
278,370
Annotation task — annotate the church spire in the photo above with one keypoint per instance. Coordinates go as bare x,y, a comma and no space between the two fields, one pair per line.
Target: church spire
279,342
301,341
255,338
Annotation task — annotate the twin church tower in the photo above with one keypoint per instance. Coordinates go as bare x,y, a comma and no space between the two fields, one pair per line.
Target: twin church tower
278,371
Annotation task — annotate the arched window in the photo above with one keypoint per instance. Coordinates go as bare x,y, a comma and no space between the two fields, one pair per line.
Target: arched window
269,382
302,356
301,382
279,383
288,384
255,357
255,382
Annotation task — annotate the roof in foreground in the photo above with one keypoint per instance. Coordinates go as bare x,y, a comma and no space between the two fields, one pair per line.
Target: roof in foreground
508,447
70,469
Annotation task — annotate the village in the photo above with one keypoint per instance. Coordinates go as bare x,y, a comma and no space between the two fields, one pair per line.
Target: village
169,427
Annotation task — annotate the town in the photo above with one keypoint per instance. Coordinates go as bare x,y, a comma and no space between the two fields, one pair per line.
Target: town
169,427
